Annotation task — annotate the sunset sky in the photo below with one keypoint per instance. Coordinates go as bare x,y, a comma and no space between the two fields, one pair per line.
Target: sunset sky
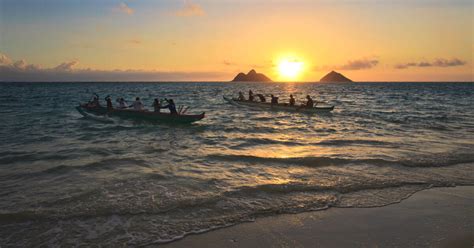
145,40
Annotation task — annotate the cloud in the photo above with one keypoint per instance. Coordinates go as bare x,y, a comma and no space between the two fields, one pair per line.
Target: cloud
7,64
190,9
358,64
448,63
20,64
440,62
66,66
123,8
424,64
21,71
4,60
404,66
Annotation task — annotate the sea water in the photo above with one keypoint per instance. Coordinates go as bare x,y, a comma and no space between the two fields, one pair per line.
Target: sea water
68,180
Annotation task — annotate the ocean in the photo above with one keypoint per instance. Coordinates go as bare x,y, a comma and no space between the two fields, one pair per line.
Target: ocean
69,180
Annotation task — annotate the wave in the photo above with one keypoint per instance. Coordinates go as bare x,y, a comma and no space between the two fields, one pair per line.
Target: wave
105,164
203,212
248,142
336,189
31,157
343,142
254,129
102,165
440,160
303,161
8,157
21,216
435,161
274,196
83,205
231,209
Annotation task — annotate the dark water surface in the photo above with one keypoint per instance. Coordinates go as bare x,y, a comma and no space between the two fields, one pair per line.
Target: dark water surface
71,180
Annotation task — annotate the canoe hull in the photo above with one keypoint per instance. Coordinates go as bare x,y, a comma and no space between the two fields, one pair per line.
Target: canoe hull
279,107
141,115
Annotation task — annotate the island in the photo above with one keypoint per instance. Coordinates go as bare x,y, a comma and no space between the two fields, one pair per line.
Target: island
252,76
334,77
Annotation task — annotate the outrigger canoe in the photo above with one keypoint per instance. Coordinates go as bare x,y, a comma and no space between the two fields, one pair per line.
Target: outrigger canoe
140,115
278,107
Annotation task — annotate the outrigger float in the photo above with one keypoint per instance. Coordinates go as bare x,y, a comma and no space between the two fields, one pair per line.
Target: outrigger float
278,107
140,115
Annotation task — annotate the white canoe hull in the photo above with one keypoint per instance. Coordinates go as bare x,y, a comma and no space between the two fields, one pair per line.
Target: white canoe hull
279,107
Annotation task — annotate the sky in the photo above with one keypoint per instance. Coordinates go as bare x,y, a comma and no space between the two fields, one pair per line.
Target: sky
213,40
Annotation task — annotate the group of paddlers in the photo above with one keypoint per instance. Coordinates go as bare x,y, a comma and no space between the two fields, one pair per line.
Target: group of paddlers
274,99
137,105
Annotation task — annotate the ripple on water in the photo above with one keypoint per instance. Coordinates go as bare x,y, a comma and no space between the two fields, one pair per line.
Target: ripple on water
105,181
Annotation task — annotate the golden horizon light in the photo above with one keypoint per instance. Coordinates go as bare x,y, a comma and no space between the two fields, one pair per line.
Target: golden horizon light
290,69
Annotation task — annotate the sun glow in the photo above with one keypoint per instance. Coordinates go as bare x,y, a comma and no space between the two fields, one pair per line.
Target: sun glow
290,69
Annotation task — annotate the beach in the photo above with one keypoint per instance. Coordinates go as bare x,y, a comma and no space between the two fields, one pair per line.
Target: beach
437,217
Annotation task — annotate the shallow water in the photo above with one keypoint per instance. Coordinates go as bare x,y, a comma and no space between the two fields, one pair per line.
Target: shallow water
66,179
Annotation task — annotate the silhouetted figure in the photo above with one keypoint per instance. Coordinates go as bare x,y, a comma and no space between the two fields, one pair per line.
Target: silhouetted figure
122,103
241,96
156,105
261,97
137,104
251,96
292,100
171,106
94,102
109,103
309,102
274,99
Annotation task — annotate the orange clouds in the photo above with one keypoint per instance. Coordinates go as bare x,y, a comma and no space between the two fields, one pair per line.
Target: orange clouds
440,62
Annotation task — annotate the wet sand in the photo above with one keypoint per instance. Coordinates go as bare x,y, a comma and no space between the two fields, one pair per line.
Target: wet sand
438,217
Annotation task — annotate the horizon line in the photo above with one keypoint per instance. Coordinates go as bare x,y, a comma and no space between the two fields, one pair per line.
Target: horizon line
216,81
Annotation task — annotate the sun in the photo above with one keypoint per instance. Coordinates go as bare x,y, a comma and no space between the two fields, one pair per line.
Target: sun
290,69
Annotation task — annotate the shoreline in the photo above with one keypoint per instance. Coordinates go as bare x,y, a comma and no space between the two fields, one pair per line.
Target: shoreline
435,217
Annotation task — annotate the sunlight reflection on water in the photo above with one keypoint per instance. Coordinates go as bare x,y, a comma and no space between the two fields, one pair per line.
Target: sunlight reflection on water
234,165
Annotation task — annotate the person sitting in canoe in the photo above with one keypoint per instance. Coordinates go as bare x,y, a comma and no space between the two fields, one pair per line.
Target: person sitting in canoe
137,104
261,97
292,100
94,102
241,96
309,102
156,105
109,103
274,99
171,106
122,103
251,96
